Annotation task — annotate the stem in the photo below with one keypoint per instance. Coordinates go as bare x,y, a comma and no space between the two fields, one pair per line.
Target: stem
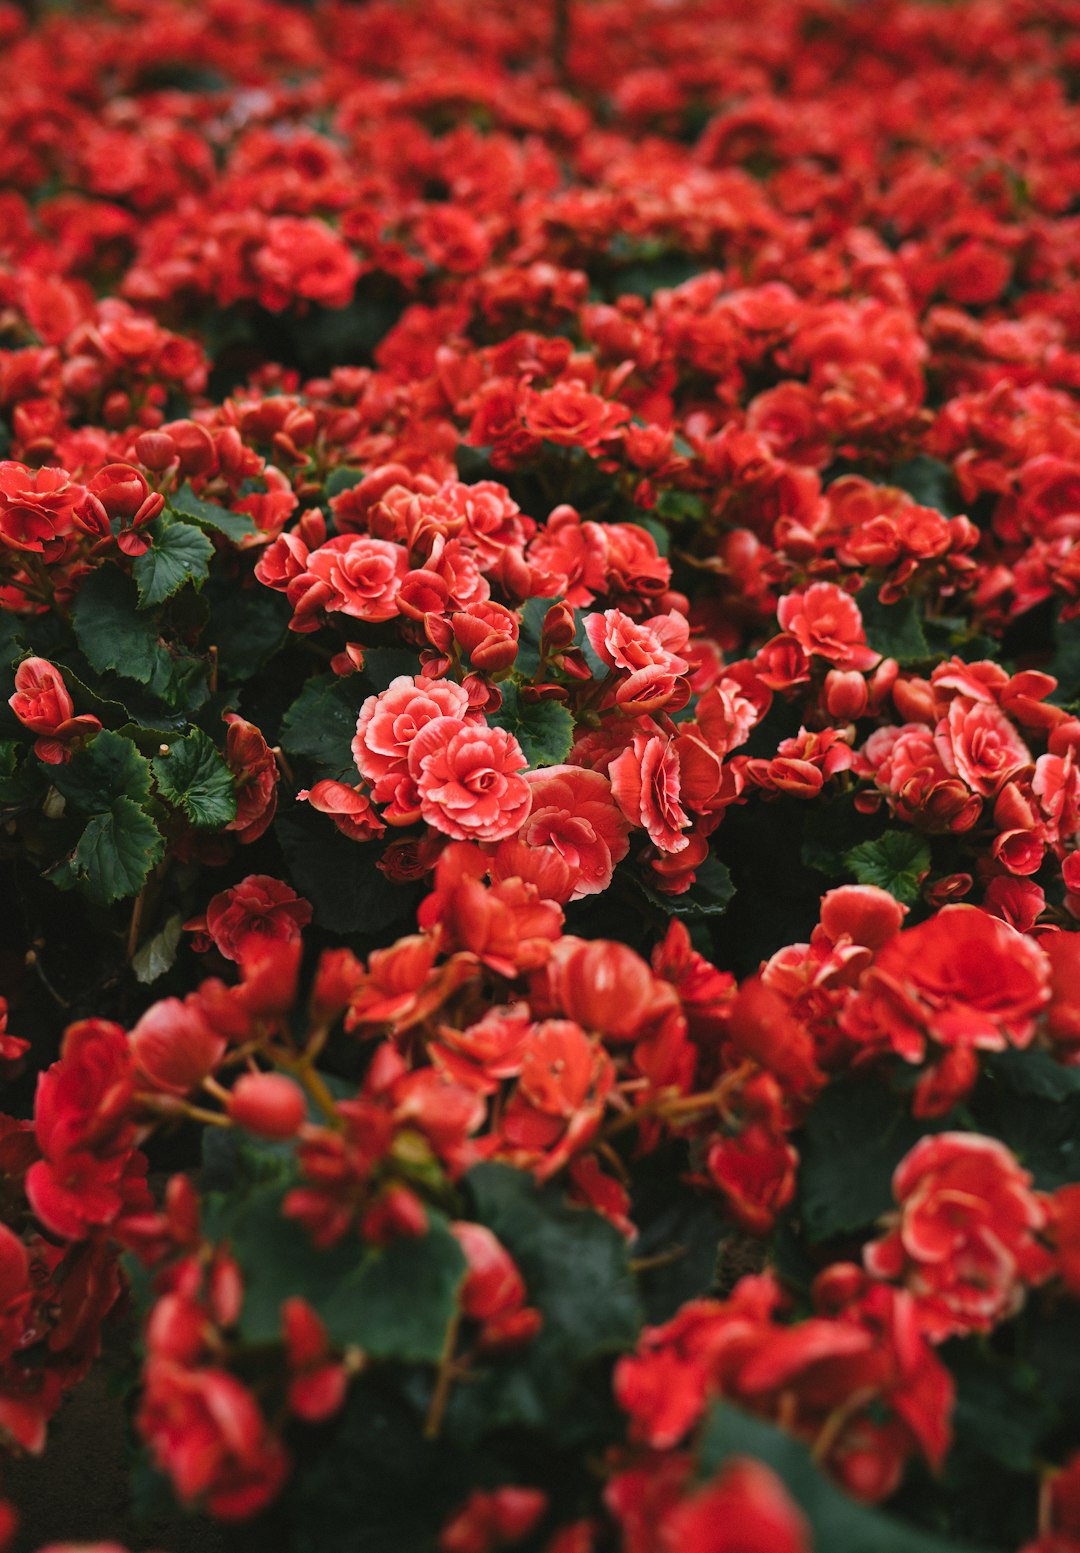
443,1381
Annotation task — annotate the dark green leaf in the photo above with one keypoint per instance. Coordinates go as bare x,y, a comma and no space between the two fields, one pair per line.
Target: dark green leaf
928,481
339,875
179,553
1002,1410
839,1523
321,723
855,1136
395,1302
544,729
113,635
109,767
194,777
247,625
342,479
207,514
576,1270
383,664
1042,1128
898,862
114,855
894,630
1033,1072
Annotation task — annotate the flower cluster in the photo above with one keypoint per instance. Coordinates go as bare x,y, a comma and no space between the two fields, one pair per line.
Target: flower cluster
540,763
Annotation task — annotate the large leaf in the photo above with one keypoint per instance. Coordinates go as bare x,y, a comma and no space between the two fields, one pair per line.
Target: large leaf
247,625
544,729
894,630
576,1270
115,636
179,553
898,862
109,767
339,876
194,777
840,1525
113,856
207,514
855,1136
929,481
321,723
394,1301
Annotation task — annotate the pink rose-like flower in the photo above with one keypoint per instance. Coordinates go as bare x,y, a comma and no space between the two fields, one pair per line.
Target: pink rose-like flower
645,780
386,731
963,1238
468,778
41,703
254,914
825,621
574,815
978,743
364,575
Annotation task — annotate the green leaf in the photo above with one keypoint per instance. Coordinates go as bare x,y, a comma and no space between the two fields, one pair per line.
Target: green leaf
855,1136
1065,664
339,876
839,1523
576,1270
113,635
894,630
194,777
114,855
928,481
395,1302
109,767
1041,1126
1033,1072
544,729
179,553
898,862
1002,1409
247,625
342,479
158,954
207,514
321,723
709,895
532,621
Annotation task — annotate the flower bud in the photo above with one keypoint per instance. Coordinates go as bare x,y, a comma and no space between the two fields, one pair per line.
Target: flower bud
268,1104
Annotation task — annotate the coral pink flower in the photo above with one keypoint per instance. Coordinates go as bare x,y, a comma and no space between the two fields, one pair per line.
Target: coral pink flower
469,780
826,623
645,782
978,743
387,728
575,815
363,575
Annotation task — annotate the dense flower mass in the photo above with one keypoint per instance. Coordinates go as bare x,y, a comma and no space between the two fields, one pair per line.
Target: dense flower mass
540,767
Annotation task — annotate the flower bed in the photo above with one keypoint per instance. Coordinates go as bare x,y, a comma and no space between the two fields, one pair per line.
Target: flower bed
539,768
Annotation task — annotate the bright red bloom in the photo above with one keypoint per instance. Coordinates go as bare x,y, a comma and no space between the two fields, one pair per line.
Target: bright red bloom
962,978
964,1239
